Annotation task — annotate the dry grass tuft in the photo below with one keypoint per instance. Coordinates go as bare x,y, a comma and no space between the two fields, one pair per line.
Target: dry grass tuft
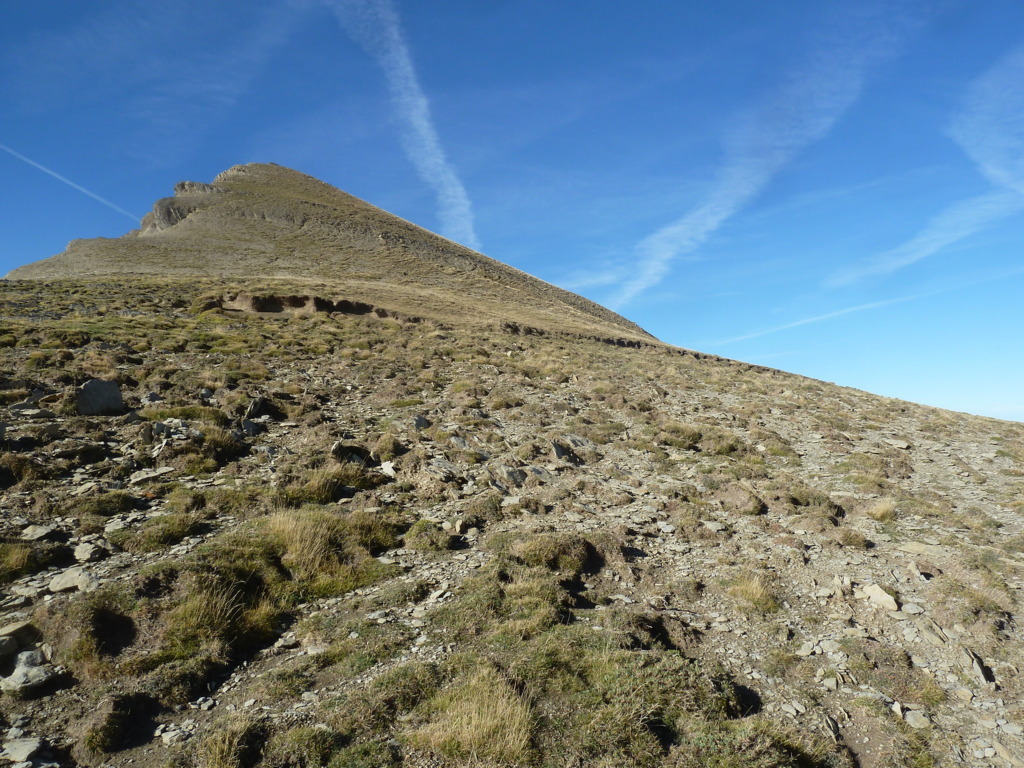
309,541
883,510
755,594
480,720
14,558
232,744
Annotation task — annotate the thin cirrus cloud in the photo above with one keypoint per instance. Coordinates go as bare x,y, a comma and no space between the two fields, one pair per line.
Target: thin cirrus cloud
801,110
990,130
951,225
175,113
375,26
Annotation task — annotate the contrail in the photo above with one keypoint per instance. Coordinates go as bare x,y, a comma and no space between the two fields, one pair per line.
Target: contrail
818,319
801,110
375,26
70,183
959,287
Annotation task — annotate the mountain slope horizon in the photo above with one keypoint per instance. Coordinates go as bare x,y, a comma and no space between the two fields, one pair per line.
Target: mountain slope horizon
263,220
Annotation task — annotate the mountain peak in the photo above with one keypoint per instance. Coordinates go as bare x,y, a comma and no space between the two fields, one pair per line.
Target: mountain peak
265,221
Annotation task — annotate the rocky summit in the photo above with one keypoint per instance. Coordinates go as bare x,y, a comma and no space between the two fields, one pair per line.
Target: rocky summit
288,481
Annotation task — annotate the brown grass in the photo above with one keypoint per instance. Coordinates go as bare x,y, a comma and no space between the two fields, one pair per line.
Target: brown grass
882,510
481,719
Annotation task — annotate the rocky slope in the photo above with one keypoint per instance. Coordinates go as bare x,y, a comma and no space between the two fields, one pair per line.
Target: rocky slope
298,538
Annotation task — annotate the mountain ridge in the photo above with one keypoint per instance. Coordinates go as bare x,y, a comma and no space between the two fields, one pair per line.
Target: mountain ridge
266,221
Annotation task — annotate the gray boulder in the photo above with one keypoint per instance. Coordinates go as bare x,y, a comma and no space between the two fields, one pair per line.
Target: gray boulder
73,578
21,750
30,671
99,398
87,552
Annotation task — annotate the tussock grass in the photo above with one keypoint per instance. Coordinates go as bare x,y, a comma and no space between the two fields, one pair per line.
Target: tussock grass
564,552
14,560
327,484
479,719
427,536
105,504
755,594
331,553
164,531
234,743
882,510
200,413
221,602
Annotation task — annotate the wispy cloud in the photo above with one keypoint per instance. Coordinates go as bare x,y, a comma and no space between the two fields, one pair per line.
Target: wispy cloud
375,26
70,183
175,113
798,112
954,223
180,72
817,319
959,286
990,130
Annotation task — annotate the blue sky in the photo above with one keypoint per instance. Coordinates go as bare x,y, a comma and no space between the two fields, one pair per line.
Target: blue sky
830,188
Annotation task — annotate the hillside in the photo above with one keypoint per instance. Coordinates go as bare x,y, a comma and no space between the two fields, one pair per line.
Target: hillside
266,221
278,520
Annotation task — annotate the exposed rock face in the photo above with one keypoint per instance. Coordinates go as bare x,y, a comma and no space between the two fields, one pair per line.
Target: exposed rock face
184,188
169,211
247,302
